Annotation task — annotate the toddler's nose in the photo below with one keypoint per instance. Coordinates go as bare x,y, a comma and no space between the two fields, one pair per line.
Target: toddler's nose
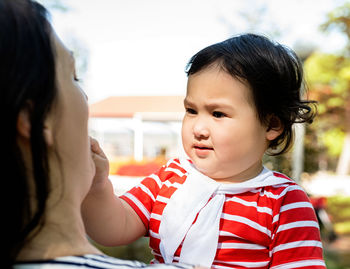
200,128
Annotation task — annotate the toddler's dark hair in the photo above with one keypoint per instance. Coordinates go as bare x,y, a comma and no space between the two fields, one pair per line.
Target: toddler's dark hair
274,74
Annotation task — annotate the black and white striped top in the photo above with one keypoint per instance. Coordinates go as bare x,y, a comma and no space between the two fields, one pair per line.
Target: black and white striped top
93,261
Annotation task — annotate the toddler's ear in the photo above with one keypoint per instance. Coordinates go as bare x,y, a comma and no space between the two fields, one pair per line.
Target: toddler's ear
274,128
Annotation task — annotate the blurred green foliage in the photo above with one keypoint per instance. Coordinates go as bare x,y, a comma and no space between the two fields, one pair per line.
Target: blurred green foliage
333,261
280,163
338,208
333,140
328,80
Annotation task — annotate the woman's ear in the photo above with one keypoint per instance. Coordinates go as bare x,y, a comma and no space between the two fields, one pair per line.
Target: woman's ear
48,131
23,121
24,125
274,128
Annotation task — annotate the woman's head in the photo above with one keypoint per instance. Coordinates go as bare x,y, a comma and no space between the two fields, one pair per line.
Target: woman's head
44,120
27,84
273,73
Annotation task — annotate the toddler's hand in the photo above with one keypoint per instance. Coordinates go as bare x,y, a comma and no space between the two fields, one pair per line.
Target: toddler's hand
101,164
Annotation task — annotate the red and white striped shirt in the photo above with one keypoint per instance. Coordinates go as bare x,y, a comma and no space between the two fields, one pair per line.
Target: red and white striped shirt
269,227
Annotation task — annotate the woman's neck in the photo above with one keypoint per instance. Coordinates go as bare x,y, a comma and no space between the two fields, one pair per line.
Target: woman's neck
62,234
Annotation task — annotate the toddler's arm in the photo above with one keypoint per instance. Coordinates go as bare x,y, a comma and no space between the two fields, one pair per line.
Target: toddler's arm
296,239
108,220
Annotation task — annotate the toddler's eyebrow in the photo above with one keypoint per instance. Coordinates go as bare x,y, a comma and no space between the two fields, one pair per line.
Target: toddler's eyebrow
218,104
187,102
215,104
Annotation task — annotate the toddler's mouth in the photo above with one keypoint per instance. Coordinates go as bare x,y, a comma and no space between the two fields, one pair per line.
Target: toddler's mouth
203,148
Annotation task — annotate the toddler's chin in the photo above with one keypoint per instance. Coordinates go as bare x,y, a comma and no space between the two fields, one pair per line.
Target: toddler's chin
203,171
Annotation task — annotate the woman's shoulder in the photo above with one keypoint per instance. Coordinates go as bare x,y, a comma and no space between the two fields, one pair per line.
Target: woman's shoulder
85,261
91,261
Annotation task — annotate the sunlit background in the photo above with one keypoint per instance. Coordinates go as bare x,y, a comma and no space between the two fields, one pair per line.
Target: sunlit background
126,50
139,47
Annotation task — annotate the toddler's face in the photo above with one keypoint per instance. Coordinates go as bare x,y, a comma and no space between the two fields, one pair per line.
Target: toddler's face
221,132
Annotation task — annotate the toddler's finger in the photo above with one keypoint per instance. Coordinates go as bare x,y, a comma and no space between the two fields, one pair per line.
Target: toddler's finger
95,147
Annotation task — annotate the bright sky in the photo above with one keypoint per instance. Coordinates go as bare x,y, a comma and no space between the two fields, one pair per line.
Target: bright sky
141,47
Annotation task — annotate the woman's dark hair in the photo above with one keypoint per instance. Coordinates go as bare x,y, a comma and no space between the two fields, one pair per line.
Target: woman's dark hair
274,74
27,81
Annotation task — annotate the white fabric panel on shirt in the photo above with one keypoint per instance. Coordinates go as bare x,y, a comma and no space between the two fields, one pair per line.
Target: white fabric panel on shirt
200,240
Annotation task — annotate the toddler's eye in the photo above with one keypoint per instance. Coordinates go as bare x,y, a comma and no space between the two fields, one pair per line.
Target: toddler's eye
218,114
191,111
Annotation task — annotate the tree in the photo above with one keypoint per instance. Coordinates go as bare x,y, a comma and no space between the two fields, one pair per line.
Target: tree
329,76
339,20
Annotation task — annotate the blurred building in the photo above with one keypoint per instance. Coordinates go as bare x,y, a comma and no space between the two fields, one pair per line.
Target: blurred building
138,126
